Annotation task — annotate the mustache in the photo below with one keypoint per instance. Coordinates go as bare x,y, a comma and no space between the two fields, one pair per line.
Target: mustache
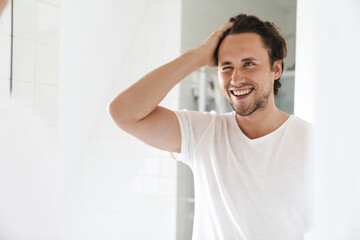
241,85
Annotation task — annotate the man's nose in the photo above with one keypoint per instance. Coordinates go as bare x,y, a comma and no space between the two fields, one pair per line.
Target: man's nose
237,77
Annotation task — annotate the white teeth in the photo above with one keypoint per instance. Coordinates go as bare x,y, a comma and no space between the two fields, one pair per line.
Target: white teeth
241,92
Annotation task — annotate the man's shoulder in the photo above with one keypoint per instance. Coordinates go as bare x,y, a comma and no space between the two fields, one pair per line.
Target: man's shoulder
202,120
301,122
210,114
301,127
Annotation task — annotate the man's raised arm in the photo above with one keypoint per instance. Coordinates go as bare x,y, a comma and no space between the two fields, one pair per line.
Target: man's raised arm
136,109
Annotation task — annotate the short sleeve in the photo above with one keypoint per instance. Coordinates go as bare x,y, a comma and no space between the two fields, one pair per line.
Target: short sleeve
184,122
193,126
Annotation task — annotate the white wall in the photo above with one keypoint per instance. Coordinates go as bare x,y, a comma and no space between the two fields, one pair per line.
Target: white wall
30,190
116,186
104,184
328,67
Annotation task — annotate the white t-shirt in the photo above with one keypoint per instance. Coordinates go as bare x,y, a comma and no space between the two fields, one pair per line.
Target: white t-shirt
244,188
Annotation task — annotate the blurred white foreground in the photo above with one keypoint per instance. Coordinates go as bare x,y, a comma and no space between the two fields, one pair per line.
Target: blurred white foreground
29,190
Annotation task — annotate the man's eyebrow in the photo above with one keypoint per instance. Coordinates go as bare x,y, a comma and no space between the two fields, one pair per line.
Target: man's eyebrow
225,63
243,60
248,59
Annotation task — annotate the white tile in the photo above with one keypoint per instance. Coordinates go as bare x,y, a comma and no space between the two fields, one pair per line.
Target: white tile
136,185
126,203
74,190
141,34
125,147
168,186
51,133
106,221
88,164
155,32
126,184
151,206
100,146
113,165
171,50
172,12
24,60
137,71
151,166
129,223
154,13
46,102
48,23
24,18
155,52
152,228
47,63
172,32
5,20
139,53
151,184
56,2
5,50
107,128
79,218
23,91
4,89
105,183
167,216
168,207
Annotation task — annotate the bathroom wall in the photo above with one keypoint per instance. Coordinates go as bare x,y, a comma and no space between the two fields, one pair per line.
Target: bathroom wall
116,186
30,189
36,58
104,184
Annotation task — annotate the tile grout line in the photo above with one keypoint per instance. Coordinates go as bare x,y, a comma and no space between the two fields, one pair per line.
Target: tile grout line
36,51
11,46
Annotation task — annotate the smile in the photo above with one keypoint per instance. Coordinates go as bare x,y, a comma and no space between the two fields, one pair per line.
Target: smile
241,92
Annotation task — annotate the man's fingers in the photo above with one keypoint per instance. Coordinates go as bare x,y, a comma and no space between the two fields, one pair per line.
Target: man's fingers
226,26
220,32
208,47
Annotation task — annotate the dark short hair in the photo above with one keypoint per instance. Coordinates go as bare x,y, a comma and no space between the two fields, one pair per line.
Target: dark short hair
269,33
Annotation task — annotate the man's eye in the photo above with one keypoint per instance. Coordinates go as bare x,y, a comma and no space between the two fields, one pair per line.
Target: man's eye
248,64
227,68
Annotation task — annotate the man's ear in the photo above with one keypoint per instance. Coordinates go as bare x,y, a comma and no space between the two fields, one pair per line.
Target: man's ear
277,69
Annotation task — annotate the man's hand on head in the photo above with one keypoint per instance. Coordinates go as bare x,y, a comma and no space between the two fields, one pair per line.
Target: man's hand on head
208,47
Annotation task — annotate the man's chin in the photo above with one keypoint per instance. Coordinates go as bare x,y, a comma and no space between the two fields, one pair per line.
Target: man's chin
244,112
248,111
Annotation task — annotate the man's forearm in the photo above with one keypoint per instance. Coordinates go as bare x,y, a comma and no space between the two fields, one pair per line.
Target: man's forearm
140,99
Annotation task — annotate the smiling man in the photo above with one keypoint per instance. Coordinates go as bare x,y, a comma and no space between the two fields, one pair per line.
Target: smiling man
249,165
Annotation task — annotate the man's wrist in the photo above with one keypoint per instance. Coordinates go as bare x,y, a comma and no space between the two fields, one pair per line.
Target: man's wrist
195,57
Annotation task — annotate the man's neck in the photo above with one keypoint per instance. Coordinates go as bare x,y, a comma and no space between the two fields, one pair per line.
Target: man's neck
262,121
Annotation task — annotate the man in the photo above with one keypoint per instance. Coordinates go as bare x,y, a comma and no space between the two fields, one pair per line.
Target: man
248,165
